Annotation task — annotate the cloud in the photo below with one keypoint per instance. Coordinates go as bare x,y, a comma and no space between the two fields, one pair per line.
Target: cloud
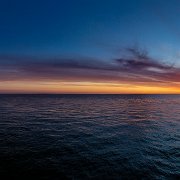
135,66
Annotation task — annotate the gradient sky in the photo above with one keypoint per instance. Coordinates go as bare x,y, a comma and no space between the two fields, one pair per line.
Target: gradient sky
90,46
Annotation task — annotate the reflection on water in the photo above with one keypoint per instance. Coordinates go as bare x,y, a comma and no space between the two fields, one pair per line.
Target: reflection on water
90,136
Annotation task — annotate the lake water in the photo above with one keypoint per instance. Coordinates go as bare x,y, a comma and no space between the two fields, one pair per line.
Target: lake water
90,136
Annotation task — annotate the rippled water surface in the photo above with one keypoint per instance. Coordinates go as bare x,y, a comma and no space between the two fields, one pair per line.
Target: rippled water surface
90,136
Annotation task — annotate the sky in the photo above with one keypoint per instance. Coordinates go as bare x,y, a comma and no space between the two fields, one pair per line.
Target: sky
90,46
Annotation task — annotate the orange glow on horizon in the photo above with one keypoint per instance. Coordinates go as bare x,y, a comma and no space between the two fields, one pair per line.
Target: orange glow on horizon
84,88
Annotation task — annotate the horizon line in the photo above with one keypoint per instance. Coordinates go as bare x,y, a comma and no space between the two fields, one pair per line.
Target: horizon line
89,93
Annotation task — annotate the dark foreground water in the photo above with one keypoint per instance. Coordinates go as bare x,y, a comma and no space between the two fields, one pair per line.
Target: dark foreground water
90,136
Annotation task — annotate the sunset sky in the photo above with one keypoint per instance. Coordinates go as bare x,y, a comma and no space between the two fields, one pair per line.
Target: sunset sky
90,46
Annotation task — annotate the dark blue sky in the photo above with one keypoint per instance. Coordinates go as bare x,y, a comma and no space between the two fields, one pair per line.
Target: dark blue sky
95,28
125,42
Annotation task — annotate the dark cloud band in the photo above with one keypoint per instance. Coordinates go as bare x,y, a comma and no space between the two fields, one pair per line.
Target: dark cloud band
135,67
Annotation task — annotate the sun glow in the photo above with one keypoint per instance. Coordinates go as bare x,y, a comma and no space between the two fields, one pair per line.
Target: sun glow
84,88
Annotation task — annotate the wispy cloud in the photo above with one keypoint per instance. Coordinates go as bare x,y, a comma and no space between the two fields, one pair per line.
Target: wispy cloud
135,66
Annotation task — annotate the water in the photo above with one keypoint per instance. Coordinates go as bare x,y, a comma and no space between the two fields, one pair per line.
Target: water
90,136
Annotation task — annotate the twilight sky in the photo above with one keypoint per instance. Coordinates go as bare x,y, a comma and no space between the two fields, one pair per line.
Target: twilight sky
90,46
